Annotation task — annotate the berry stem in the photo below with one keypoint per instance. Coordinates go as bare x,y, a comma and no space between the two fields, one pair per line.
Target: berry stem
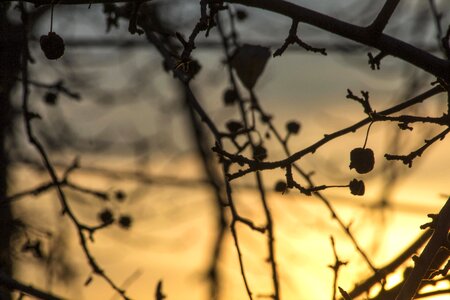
51,19
367,134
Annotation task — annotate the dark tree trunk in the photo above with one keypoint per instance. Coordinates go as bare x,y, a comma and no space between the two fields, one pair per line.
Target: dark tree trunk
10,52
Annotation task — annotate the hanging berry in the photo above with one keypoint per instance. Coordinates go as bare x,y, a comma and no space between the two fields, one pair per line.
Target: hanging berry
362,160
357,187
52,44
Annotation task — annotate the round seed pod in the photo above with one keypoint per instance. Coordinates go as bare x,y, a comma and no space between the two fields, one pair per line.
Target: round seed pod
259,153
293,127
51,98
230,97
125,221
280,186
106,216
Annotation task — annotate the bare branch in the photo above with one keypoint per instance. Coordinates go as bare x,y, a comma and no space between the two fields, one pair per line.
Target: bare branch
385,43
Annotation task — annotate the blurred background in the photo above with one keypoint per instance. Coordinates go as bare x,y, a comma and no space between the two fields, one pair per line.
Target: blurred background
123,119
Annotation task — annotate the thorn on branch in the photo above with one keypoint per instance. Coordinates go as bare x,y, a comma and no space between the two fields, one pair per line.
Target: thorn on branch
294,39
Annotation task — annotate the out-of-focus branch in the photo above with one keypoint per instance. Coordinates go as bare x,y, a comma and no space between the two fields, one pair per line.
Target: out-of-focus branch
258,177
335,267
28,117
216,183
13,284
440,226
364,286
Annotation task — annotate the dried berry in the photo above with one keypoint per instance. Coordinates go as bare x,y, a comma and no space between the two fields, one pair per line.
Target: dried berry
125,221
52,45
259,153
230,97
293,127
106,216
357,187
362,160
280,186
50,98
234,126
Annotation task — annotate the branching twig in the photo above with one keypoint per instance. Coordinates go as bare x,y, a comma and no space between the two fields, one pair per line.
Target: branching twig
375,61
294,39
261,165
408,159
363,35
364,100
28,116
64,182
337,265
